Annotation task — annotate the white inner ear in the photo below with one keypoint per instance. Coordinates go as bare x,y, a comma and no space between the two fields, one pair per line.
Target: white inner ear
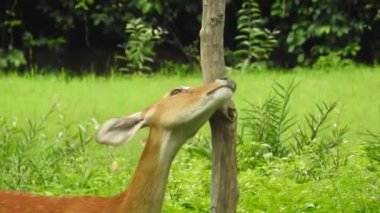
185,87
117,131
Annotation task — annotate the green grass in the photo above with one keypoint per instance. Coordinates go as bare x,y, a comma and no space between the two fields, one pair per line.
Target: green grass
81,99
80,166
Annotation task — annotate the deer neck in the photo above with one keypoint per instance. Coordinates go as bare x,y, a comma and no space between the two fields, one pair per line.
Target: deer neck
146,191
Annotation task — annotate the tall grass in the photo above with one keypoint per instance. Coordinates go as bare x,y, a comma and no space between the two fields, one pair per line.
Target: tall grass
309,162
56,164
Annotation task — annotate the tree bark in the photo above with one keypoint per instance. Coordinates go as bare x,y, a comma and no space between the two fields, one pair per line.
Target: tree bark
224,189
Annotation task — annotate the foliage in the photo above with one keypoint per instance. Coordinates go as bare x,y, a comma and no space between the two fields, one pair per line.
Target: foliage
199,146
332,60
60,20
138,50
64,164
55,154
271,189
320,27
31,43
314,124
178,69
313,169
84,4
312,31
372,146
267,124
11,59
193,52
255,42
319,153
52,43
269,128
10,23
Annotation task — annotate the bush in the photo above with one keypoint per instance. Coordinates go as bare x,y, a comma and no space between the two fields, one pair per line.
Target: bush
372,147
12,59
268,134
304,169
320,27
255,43
34,160
138,50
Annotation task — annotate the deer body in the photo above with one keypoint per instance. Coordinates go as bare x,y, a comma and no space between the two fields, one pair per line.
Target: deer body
172,120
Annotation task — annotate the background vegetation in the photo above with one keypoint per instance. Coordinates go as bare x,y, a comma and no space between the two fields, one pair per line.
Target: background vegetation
85,35
308,140
309,125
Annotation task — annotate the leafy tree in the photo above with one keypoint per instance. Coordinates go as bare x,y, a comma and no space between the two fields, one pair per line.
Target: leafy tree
317,28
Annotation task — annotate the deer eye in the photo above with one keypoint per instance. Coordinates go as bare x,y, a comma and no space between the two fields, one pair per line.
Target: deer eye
179,90
175,91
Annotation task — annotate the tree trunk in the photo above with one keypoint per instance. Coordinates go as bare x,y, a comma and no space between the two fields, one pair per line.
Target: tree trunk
223,124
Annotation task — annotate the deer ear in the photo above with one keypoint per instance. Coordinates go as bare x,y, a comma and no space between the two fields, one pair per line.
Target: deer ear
117,131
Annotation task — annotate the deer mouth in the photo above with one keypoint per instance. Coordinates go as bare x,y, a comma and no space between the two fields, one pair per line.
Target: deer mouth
231,85
227,83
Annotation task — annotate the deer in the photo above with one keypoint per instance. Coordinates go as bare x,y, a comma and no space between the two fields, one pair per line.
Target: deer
171,120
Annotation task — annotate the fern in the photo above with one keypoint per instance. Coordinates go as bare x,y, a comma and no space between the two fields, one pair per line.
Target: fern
372,146
269,128
372,142
315,124
317,145
267,124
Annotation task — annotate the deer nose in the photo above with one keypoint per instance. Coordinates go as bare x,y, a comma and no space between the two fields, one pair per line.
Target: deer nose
229,82
223,78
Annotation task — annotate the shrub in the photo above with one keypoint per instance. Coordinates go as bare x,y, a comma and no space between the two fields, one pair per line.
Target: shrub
268,134
255,43
372,147
12,59
34,160
138,50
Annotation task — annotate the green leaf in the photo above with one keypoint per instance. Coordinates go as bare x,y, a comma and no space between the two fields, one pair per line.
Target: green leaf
300,58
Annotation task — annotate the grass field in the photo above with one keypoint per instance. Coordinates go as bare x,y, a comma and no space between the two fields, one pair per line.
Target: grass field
58,155
83,99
